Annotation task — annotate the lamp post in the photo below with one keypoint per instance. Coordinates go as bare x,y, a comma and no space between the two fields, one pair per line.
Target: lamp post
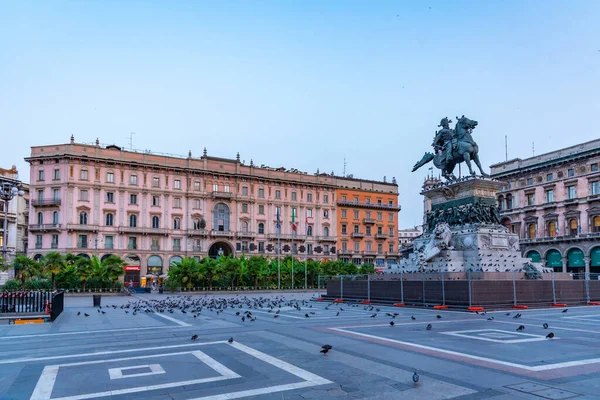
8,190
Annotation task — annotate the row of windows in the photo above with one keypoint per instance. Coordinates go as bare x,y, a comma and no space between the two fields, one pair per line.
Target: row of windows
368,230
368,247
507,203
550,176
177,202
368,201
108,242
368,215
572,228
133,180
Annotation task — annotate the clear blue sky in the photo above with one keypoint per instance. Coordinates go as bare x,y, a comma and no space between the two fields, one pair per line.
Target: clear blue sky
300,83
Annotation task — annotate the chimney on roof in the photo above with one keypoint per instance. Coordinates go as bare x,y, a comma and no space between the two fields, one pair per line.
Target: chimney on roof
384,179
72,139
189,154
97,143
251,163
237,157
204,153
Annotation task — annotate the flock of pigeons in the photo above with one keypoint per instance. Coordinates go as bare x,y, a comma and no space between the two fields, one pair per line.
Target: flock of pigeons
216,305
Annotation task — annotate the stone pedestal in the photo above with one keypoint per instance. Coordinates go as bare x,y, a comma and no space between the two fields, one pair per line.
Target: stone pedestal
464,233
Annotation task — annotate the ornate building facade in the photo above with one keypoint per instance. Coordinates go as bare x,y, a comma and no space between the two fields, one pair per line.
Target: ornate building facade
553,202
154,209
17,220
367,221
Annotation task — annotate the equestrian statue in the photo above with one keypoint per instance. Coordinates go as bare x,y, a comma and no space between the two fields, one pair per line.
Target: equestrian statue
452,147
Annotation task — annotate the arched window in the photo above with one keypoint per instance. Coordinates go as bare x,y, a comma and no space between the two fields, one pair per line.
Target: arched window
155,222
176,223
55,217
573,227
83,218
40,218
221,217
596,223
501,202
531,231
261,228
110,219
552,228
326,231
133,220
244,226
196,223
309,230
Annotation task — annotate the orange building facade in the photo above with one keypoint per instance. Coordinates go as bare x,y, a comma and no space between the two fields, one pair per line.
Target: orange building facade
367,221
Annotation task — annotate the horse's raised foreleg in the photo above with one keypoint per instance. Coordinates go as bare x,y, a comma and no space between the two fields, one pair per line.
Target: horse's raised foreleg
476,159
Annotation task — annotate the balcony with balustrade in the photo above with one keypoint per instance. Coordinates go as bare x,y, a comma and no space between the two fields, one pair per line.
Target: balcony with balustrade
326,239
39,203
45,228
369,221
381,236
362,204
221,195
221,234
197,232
245,235
82,228
358,235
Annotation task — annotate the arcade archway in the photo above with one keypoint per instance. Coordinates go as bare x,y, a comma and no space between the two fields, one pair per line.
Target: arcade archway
220,248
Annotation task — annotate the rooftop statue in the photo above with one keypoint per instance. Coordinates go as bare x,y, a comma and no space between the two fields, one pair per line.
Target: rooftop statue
452,147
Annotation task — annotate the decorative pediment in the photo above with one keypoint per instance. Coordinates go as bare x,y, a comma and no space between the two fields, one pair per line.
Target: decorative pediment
574,213
83,208
531,219
245,219
595,210
550,216
196,216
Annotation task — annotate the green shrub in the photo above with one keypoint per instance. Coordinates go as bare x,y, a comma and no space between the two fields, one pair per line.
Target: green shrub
12,284
38,284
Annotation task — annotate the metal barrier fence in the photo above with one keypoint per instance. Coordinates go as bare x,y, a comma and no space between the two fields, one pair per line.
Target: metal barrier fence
465,289
57,304
24,302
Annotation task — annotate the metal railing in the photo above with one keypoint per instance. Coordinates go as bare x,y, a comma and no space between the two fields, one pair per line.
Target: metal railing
18,302
466,289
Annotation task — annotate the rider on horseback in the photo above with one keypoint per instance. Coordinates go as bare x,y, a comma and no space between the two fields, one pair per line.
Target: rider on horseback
444,139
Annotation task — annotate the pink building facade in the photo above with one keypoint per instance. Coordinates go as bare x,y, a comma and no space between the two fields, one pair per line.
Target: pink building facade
553,202
153,209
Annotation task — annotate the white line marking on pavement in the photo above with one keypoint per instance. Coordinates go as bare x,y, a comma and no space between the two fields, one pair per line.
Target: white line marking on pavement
494,333
292,369
553,326
43,389
173,319
258,392
398,323
117,373
86,332
45,384
479,358
103,353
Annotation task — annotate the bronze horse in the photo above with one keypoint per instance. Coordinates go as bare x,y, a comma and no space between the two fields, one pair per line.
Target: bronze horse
465,151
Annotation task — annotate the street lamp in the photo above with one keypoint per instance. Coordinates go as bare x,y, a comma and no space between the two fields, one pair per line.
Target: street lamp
8,190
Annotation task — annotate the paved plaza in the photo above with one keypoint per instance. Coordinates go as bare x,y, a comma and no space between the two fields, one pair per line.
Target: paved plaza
275,353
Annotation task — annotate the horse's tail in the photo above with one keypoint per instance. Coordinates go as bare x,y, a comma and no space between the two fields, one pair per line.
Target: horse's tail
427,157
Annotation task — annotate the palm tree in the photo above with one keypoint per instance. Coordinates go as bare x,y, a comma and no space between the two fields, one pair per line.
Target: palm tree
210,267
114,268
26,268
185,272
83,269
53,263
